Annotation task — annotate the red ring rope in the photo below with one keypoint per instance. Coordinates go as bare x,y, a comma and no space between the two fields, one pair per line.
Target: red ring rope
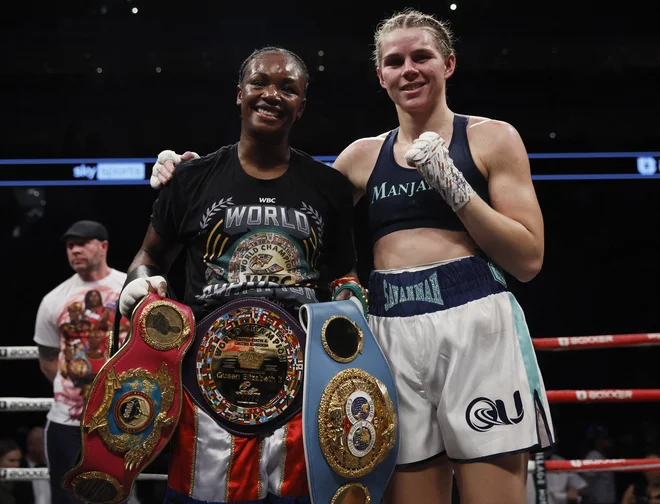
603,341
561,343
605,395
619,465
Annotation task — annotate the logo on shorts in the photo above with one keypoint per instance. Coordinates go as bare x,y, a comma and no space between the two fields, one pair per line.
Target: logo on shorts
484,413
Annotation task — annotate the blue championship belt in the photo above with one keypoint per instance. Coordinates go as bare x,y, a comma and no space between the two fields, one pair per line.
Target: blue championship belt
246,366
350,421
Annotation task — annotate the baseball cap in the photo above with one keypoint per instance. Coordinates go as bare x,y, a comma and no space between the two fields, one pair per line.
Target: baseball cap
86,229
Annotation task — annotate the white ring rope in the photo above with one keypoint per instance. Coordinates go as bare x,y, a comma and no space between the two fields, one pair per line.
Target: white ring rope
18,352
25,403
619,465
41,473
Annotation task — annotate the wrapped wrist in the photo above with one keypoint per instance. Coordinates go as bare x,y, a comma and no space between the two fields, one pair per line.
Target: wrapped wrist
430,155
355,287
143,271
448,180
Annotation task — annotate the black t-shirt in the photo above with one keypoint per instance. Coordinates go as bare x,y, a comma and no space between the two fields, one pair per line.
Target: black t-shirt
284,239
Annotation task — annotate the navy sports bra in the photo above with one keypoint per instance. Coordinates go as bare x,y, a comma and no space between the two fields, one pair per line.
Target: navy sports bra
399,198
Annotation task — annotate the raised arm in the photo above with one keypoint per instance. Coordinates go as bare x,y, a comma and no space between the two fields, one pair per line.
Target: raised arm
510,229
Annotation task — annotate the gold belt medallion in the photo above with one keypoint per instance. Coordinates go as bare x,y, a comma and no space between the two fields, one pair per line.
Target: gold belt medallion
357,423
250,365
133,411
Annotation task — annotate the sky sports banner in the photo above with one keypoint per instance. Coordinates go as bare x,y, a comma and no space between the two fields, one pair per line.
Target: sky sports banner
17,172
119,171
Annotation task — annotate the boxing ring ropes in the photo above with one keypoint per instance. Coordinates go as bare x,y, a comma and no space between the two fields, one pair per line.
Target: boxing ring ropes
538,465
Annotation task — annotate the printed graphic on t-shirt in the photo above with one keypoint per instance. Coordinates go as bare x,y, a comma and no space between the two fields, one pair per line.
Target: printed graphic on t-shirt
85,327
259,246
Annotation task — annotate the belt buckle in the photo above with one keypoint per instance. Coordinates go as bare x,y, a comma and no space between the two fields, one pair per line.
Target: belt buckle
249,366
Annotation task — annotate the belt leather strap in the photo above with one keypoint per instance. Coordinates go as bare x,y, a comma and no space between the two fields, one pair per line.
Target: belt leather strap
350,419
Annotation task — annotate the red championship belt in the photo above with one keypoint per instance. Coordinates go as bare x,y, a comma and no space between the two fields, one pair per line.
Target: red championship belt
134,403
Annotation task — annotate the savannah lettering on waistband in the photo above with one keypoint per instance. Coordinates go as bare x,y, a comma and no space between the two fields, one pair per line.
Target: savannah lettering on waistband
409,188
427,291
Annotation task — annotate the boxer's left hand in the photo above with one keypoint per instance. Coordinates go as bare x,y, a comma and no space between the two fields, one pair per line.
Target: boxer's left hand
430,156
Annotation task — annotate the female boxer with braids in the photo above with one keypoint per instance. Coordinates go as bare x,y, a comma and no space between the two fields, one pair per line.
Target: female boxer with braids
257,219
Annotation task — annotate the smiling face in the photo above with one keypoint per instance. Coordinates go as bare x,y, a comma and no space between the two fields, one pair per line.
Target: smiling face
272,93
412,68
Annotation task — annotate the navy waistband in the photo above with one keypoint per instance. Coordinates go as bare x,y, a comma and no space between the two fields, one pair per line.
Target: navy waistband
433,289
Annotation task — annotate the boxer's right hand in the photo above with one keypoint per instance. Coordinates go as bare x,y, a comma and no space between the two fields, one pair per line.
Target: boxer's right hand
163,169
137,289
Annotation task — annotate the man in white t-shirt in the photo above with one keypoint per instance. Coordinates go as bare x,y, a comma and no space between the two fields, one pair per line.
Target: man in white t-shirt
73,332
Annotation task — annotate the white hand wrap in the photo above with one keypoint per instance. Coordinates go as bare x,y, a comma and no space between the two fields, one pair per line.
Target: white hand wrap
164,156
431,158
137,289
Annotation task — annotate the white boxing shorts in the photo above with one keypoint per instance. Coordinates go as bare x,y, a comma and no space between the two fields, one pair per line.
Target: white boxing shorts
468,383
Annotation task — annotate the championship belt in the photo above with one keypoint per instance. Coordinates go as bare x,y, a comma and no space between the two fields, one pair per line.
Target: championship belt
134,403
350,421
246,370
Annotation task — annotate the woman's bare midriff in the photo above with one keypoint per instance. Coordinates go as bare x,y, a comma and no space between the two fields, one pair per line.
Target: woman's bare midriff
416,247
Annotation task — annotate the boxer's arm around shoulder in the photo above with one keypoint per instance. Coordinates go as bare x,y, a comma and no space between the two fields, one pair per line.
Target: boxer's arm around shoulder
356,161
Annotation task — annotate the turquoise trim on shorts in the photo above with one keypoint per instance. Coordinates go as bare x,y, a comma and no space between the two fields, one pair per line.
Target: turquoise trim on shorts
526,347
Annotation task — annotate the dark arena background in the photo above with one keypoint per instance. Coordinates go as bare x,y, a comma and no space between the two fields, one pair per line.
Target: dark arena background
108,84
